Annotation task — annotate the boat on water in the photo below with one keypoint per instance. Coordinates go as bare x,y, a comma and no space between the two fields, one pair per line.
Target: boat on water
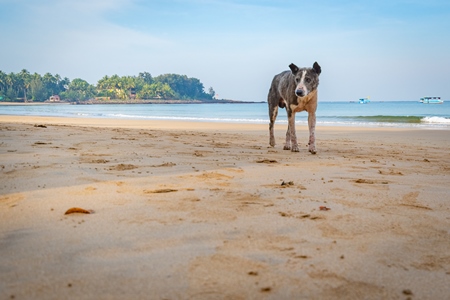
431,100
364,101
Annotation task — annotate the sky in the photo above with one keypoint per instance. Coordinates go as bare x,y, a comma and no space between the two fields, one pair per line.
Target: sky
385,49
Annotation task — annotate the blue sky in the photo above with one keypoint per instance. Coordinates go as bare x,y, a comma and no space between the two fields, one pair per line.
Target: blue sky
385,50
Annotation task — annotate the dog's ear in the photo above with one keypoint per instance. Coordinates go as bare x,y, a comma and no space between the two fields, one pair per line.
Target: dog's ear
294,68
317,68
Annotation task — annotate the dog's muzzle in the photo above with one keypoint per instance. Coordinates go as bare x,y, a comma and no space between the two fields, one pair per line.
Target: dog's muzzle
300,93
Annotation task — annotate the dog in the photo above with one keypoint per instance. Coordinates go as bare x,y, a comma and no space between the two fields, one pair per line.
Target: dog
295,90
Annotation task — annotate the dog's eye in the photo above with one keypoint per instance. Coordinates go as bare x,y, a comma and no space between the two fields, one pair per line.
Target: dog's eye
308,80
297,80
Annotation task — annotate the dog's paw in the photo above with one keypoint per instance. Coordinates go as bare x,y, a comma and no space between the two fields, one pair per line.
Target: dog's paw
287,147
295,149
313,151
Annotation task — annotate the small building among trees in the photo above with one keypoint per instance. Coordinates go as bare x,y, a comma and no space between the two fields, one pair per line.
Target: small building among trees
54,98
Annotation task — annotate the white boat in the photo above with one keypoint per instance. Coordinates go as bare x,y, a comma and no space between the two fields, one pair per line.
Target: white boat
431,100
364,100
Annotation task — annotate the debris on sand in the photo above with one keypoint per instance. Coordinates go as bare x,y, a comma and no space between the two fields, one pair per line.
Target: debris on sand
160,191
287,183
78,210
266,161
364,181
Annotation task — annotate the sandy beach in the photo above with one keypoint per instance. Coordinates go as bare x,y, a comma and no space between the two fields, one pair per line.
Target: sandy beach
185,210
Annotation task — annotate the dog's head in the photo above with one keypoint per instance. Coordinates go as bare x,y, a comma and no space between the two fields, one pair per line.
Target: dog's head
306,79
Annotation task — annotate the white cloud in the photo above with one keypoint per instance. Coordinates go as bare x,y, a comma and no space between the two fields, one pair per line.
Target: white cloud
74,39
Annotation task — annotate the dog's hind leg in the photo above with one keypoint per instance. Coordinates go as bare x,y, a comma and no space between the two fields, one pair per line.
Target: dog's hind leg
272,100
273,112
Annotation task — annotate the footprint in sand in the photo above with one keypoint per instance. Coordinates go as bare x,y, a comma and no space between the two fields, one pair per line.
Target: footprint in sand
11,200
123,167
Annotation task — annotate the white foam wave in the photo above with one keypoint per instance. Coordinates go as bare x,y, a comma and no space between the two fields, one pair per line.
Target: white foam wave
427,121
435,120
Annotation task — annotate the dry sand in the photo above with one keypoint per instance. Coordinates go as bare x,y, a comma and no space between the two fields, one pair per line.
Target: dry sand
209,211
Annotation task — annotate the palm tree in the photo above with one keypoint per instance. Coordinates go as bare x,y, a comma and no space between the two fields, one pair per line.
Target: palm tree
129,85
11,86
2,82
10,79
57,82
37,88
25,80
146,77
49,83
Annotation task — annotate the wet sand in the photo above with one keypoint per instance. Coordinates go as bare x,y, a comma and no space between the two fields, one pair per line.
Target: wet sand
184,210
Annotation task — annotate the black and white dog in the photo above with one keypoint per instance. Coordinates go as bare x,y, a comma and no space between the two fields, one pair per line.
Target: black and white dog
295,90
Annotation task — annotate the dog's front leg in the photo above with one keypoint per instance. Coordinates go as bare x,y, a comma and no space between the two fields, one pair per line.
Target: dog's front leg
291,136
287,144
312,132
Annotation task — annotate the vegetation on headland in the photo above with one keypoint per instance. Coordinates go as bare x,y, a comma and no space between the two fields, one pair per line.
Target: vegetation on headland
167,88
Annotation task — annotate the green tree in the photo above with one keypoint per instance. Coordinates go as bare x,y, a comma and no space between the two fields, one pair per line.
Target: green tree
146,92
211,92
2,82
60,83
129,85
25,82
38,92
11,87
110,86
184,87
50,84
63,84
3,85
156,90
166,92
11,94
78,90
146,77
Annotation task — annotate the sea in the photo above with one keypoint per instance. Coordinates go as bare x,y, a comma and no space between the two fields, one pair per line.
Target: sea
398,114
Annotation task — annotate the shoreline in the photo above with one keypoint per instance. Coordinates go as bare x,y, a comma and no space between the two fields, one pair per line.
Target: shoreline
176,124
32,103
167,124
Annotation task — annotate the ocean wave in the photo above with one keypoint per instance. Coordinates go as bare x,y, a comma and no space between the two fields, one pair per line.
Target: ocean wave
381,119
386,119
361,121
436,120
